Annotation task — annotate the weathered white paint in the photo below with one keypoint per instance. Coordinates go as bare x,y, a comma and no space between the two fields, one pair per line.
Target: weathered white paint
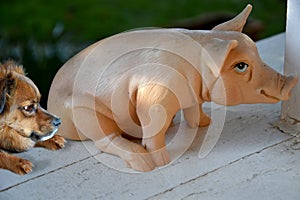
291,108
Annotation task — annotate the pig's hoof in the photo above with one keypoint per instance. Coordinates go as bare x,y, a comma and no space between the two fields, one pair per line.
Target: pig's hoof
139,159
160,157
140,165
204,120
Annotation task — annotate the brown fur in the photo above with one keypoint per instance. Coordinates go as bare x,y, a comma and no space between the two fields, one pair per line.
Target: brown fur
23,122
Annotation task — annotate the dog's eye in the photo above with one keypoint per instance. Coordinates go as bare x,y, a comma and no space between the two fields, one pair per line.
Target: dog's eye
29,108
241,67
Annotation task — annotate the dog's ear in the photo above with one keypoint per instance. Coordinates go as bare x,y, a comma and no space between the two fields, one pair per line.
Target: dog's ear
3,90
7,87
214,54
237,23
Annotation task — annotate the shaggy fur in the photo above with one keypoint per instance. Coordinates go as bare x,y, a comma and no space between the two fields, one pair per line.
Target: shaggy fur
23,122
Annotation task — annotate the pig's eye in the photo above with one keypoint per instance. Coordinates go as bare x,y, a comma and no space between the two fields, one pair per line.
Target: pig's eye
241,67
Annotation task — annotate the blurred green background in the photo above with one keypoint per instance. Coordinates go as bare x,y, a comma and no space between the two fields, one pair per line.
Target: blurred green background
42,35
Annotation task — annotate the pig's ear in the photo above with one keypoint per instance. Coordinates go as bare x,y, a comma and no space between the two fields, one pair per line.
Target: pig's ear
215,53
237,23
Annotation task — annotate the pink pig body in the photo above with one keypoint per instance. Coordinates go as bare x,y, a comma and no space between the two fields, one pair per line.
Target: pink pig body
135,82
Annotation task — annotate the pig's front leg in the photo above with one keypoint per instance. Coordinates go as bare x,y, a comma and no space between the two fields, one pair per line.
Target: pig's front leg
204,118
195,117
156,146
155,113
154,134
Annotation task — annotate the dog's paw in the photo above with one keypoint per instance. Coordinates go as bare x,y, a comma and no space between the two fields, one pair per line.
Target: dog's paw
59,142
55,143
23,167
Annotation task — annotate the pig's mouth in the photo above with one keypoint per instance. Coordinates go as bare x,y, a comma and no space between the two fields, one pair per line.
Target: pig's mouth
276,99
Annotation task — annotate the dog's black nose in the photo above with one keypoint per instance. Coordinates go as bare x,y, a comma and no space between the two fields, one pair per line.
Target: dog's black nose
56,122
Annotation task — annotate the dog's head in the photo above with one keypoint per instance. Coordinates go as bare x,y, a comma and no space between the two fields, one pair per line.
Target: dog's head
19,105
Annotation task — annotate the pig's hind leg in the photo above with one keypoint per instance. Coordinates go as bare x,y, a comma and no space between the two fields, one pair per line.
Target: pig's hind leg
107,137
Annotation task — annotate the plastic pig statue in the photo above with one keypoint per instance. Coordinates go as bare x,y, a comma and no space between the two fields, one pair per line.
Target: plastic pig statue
135,82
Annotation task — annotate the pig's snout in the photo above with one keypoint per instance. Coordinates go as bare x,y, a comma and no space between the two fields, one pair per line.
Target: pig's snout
290,82
278,89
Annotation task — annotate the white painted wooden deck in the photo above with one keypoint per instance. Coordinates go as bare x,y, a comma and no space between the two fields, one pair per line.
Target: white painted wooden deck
252,160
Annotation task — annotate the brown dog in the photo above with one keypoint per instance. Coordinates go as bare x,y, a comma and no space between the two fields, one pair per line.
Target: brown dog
24,123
